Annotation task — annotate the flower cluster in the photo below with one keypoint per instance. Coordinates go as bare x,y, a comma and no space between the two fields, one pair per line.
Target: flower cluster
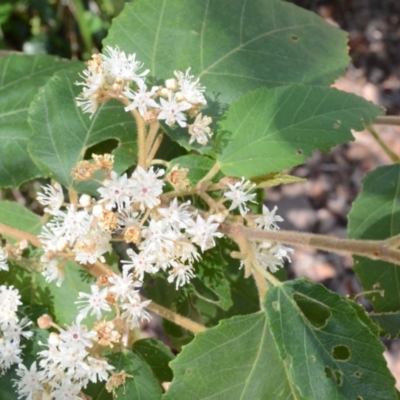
116,75
11,328
66,366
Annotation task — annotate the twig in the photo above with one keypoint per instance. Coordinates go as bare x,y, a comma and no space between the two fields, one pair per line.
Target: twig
387,120
393,156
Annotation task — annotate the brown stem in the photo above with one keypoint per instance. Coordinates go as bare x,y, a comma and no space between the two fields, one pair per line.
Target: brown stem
175,318
373,249
153,130
154,149
387,120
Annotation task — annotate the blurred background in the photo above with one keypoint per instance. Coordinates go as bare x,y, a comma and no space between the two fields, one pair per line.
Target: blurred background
75,28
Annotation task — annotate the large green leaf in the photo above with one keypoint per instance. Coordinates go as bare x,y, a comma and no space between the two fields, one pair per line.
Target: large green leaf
331,352
389,324
157,355
141,385
274,129
62,134
197,166
237,359
376,215
21,77
234,46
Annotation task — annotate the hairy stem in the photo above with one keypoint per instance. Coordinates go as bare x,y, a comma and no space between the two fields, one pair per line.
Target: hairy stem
373,249
141,137
175,318
393,156
153,130
154,148
387,120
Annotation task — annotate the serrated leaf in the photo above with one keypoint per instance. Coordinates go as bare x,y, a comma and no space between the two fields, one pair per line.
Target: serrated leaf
235,360
142,385
389,324
60,139
375,215
235,46
157,355
331,353
197,166
21,77
274,129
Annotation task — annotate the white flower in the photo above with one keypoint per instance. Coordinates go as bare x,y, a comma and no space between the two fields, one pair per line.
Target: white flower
10,353
141,262
146,187
96,302
92,247
14,330
191,91
52,270
271,256
182,273
28,385
134,312
52,197
116,191
203,232
171,110
118,65
239,194
177,216
76,337
199,130
141,98
3,260
268,220
98,369
122,286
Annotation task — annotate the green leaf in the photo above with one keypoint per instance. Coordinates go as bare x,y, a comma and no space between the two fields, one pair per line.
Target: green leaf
157,355
19,217
376,215
21,77
274,129
235,360
234,47
331,353
389,324
197,166
142,385
61,139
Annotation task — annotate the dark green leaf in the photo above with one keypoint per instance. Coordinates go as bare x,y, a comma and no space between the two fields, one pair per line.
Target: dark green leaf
331,353
19,217
235,46
61,139
389,324
235,360
142,385
376,215
157,355
21,77
274,129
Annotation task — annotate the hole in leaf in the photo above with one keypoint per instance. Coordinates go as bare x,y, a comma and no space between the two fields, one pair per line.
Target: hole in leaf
299,151
188,371
341,353
357,374
328,372
317,314
338,377
313,358
294,38
276,306
107,146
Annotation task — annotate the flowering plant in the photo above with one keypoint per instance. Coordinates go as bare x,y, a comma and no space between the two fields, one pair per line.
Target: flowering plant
158,151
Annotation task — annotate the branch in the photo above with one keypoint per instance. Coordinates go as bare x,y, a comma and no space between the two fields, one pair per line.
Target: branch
392,155
373,249
387,120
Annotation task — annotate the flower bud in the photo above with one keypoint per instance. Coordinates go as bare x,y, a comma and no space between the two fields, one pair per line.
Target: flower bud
171,84
85,200
45,321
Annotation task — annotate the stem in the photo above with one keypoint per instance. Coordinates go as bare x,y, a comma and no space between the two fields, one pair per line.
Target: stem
210,174
175,318
157,161
83,26
393,156
154,149
153,130
141,137
373,249
387,120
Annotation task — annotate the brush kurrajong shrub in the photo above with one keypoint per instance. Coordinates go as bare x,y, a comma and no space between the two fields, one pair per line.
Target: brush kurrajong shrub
158,151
